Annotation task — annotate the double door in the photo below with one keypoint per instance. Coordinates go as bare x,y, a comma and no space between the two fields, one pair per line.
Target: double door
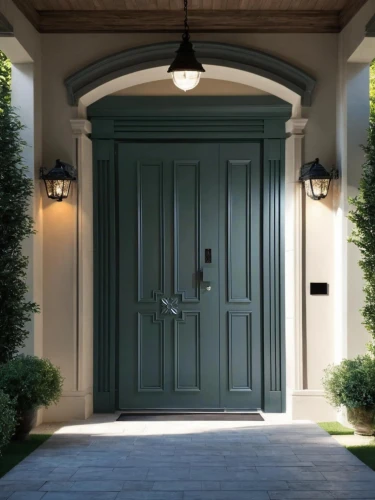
189,275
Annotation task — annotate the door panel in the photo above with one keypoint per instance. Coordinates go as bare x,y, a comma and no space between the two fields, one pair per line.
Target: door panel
240,267
150,212
238,227
186,229
168,322
187,340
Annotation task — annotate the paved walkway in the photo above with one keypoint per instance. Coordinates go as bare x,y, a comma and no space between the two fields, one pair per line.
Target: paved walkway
103,459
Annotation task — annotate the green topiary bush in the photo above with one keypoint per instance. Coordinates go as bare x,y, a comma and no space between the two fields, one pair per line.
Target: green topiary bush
16,224
32,382
7,419
363,235
351,383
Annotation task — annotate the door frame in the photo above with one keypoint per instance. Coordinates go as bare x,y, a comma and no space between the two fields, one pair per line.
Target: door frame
218,119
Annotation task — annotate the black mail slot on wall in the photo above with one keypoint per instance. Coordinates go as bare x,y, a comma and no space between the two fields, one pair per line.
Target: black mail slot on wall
318,288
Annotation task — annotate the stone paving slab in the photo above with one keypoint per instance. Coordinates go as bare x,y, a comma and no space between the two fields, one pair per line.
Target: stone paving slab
101,459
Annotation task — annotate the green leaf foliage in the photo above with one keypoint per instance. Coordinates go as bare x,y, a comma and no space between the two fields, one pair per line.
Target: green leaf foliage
31,382
7,419
351,383
16,224
363,235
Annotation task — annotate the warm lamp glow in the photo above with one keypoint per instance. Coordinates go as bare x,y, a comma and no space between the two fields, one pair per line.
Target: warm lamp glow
317,189
186,80
57,189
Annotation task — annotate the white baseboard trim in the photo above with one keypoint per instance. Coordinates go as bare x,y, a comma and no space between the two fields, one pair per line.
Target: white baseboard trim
310,405
70,407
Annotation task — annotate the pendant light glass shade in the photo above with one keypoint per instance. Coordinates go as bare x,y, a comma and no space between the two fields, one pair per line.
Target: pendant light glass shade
186,70
186,80
317,189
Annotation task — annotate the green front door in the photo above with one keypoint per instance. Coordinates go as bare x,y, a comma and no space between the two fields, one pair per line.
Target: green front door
189,267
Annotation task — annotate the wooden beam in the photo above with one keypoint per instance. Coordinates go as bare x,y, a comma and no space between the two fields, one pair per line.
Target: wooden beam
230,21
350,10
28,10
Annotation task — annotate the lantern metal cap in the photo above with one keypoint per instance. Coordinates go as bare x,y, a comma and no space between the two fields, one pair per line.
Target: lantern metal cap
60,172
185,59
314,170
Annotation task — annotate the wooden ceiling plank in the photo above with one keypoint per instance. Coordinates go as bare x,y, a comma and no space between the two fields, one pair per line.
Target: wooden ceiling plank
109,4
28,10
200,21
287,4
163,4
96,4
244,4
176,4
215,4
40,4
79,4
194,4
350,10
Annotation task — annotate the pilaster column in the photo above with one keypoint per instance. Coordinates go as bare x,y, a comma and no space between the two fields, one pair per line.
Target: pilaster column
294,255
302,402
82,157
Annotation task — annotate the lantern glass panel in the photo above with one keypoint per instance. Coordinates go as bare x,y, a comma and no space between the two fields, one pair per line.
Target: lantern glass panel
57,189
317,189
186,80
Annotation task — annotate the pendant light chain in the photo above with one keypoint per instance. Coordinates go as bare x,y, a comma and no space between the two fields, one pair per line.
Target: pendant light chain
186,35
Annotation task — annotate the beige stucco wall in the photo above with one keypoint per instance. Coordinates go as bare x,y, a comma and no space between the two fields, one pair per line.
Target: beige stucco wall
206,87
317,54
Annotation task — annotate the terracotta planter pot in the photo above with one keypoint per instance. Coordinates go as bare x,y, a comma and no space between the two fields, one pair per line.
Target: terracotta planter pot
25,424
363,420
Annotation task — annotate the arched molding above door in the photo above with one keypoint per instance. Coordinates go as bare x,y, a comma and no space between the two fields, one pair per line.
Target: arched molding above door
150,61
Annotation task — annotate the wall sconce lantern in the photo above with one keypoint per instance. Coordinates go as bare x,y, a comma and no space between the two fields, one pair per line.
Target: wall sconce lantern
186,70
58,180
317,179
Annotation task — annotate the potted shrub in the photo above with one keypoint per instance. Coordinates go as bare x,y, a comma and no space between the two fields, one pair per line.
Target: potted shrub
32,383
351,384
7,419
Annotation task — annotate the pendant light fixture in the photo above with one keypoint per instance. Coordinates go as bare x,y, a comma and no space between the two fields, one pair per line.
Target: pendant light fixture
186,70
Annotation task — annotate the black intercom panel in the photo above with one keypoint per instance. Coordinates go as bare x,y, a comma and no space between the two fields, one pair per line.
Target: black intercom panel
318,288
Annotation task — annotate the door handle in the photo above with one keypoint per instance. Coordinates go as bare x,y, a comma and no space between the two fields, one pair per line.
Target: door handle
208,275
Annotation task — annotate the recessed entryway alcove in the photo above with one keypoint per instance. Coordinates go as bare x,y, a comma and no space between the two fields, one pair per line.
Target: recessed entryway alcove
260,120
